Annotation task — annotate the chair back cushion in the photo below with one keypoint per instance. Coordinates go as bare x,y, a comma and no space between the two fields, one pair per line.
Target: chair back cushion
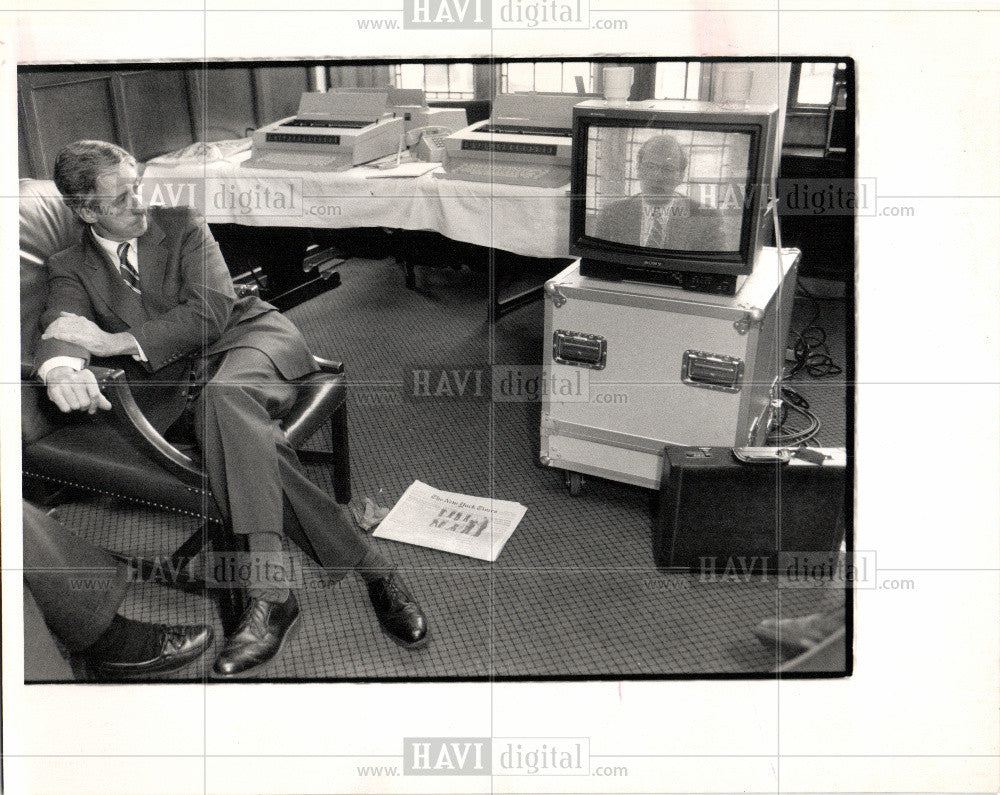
46,226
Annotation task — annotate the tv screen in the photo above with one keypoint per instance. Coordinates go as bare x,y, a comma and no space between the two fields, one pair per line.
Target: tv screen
673,192
669,189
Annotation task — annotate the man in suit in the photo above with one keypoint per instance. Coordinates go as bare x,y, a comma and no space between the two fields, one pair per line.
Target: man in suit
659,216
76,589
150,288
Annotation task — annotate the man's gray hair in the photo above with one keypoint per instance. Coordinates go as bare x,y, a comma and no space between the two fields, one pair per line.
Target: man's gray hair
79,164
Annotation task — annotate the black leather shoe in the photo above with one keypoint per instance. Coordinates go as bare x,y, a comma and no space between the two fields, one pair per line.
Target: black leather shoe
179,645
259,637
399,615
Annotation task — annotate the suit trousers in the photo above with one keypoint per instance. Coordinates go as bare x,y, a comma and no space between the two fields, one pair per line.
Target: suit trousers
43,662
78,587
254,473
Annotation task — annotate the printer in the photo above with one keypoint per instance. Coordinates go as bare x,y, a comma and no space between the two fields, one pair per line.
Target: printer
528,140
333,131
412,106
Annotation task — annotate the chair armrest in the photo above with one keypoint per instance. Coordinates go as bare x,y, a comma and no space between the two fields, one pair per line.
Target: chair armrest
104,374
329,365
320,395
115,387
242,290
130,418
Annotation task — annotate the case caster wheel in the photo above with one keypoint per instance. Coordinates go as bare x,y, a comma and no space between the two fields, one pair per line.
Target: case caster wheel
574,482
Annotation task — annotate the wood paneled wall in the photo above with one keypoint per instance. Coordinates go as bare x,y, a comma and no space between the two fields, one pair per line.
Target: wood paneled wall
148,110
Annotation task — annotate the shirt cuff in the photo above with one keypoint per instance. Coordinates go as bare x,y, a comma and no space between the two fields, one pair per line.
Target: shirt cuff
74,362
140,356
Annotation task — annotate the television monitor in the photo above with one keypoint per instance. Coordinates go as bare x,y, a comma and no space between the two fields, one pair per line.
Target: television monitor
672,192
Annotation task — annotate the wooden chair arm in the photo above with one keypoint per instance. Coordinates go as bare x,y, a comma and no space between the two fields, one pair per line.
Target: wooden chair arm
115,387
329,365
101,373
133,422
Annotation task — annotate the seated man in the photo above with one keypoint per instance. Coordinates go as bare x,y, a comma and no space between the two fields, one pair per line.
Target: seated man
77,588
659,216
150,287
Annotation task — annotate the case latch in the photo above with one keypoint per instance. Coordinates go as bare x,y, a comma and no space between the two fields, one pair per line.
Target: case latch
753,317
551,291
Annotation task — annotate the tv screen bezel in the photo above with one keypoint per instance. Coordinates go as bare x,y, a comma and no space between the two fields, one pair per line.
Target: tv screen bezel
737,263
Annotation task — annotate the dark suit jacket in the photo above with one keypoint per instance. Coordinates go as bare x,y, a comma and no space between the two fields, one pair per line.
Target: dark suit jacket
691,226
188,309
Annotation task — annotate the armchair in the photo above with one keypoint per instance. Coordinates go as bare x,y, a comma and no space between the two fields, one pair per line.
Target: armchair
119,453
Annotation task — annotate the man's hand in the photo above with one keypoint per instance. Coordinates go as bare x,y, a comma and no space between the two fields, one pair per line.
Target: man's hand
87,334
75,390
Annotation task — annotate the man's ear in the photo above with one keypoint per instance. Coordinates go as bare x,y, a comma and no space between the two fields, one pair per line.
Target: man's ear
86,213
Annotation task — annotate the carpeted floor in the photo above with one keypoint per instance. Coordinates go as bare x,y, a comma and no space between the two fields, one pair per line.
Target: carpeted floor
573,594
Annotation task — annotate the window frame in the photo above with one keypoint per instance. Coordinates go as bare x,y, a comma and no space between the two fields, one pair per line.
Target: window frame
448,96
808,108
688,63
500,78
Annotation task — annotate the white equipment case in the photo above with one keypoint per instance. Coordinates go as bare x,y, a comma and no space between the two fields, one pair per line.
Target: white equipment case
632,367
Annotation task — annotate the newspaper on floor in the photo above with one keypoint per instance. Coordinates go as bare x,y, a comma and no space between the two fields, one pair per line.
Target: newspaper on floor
476,527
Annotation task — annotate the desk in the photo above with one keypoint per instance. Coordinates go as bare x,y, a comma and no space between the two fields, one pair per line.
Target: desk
532,222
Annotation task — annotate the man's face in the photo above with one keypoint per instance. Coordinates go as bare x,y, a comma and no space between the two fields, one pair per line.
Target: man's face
659,177
116,210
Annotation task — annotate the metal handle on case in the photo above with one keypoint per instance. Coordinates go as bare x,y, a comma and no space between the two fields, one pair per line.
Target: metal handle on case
579,350
763,455
712,371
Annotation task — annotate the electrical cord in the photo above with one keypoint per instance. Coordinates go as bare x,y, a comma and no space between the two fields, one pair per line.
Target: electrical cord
805,292
793,402
811,356
810,353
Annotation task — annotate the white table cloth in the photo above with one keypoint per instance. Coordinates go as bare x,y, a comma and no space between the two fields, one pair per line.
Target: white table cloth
523,220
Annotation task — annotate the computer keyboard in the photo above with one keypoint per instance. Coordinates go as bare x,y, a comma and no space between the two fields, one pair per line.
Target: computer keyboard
525,129
353,124
298,161
506,173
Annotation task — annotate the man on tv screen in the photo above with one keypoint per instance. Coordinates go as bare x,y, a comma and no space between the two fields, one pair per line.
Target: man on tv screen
660,217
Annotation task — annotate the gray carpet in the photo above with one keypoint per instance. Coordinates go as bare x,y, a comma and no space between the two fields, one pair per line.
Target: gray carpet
574,593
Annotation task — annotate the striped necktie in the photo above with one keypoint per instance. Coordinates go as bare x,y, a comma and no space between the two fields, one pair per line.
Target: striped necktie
128,272
657,237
